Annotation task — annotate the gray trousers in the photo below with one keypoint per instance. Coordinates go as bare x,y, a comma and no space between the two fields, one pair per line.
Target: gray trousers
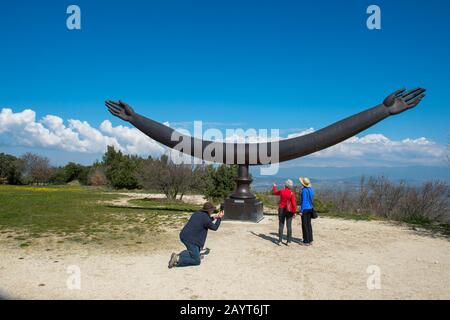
284,215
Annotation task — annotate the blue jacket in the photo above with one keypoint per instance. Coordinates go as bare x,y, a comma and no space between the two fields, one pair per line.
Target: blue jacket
307,198
196,229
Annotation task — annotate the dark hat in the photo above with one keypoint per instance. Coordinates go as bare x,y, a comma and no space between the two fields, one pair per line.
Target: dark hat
208,206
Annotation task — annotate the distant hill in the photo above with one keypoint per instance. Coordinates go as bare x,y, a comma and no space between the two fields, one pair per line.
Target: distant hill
350,176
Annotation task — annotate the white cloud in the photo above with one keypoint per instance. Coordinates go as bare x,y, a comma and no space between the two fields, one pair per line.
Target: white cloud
301,133
22,129
379,150
368,150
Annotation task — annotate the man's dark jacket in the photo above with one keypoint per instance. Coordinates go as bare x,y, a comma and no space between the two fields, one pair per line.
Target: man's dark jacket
196,230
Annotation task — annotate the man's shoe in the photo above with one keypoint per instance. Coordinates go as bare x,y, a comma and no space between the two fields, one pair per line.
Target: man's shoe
206,251
173,260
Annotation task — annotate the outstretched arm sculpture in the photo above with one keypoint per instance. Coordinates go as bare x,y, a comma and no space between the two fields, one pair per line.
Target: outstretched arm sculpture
289,149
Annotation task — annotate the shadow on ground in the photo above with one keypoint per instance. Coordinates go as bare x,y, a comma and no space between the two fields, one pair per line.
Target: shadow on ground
4,296
273,237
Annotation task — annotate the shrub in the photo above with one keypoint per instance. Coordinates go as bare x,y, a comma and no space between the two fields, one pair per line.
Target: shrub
220,182
36,169
97,177
397,201
120,169
10,169
169,178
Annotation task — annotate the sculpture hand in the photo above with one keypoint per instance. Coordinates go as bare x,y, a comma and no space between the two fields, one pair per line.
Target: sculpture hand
120,109
400,100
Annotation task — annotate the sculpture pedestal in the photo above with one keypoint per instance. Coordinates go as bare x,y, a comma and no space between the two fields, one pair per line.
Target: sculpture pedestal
242,205
243,210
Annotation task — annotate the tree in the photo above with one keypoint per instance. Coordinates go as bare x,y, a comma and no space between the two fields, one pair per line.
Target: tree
37,169
83,175
70,172
97,177
10,169
220,182
167,177
58,176
120,169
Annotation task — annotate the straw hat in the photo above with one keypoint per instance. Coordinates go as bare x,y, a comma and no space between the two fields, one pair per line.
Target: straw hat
305,181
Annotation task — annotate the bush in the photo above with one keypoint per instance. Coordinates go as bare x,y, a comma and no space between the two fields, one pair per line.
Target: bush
97,176
10,169
120,169
220,182
397,201
268,199
36,169
169,178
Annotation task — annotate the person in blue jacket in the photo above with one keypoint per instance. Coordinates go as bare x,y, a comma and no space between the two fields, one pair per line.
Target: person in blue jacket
306,208
193,236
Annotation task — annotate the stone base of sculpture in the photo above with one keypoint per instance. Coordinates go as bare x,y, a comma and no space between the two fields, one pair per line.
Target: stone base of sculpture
242,204
243,210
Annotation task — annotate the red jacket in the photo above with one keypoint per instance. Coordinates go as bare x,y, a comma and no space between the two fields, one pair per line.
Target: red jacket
285,195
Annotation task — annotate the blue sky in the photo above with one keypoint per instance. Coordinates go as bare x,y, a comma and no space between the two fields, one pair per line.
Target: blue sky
291,65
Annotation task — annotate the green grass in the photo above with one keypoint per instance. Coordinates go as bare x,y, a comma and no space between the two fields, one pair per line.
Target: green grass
74,211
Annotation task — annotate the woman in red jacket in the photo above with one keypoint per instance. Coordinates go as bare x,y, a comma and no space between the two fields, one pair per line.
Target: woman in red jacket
286,209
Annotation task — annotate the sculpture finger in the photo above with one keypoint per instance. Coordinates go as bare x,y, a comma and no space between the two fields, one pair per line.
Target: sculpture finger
399,92
114,111
114,106
110,103
411,92
416,101
414,95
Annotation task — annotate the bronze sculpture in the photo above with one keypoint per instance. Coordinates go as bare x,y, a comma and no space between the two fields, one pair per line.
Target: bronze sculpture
242,204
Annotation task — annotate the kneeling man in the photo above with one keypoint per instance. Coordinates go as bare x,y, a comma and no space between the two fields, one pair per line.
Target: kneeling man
194,235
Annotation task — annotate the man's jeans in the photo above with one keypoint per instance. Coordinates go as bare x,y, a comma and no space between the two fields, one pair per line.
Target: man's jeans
189,257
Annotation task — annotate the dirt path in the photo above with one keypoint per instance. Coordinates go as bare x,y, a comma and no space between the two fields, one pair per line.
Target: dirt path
127,196
244,263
